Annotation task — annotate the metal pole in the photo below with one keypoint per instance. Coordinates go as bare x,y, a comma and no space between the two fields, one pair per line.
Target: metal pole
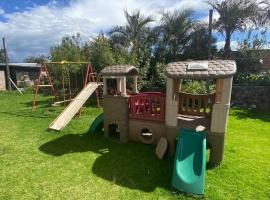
15,86
210,33
7,67
207,83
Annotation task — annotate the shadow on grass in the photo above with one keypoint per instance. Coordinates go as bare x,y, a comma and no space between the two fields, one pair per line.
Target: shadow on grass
131,165
250,113
36,114
47,103
40,103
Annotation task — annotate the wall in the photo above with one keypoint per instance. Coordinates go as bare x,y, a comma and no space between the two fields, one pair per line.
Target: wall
116,111
2,81
156,128
251,96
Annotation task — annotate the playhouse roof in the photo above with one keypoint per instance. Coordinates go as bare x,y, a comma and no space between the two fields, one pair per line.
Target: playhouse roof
120,70
216,69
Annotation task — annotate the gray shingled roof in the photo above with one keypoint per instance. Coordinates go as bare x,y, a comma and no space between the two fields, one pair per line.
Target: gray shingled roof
216,69
120,70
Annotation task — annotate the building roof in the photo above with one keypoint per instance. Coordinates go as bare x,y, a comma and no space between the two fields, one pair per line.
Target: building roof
23,65
216,69
120,70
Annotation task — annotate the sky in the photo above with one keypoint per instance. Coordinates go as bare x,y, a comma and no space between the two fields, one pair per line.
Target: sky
31,27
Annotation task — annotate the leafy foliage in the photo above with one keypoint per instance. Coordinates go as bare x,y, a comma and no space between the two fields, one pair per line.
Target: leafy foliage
99,53
69,49
197,87
248,58
2,56
235,15
159,77
263,15
198,46
134,35
36,59
252,78
144,81
175,32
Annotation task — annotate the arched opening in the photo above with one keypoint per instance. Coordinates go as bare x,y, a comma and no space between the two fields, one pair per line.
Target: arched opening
114,131
112,87
147,136
196,99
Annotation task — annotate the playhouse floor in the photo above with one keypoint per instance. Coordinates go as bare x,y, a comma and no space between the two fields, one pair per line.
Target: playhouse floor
192,121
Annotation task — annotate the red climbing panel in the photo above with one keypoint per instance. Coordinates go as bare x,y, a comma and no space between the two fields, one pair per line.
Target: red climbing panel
147,106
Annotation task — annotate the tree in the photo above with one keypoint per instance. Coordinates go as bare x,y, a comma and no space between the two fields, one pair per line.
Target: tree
36,59
134,34
234,16
2,56
99,52
263,16
249,54
175,32
120,52
69,49
197,48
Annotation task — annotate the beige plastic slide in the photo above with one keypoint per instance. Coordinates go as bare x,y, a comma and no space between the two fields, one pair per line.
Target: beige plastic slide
68,113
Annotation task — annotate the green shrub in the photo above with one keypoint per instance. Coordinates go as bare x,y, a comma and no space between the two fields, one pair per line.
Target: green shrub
197,87
248,78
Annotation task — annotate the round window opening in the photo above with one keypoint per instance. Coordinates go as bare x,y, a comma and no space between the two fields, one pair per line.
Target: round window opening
147,134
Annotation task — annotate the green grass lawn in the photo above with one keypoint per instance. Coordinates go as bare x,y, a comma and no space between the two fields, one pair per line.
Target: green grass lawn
72,164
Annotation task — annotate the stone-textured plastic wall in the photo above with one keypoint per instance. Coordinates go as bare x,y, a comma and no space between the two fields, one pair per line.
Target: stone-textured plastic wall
251,96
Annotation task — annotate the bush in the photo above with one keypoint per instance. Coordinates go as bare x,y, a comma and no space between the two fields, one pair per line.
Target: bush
159,77
197,87
252,79
152,81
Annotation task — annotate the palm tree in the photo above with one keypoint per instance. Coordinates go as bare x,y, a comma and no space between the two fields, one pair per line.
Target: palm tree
263,17
199,42
175,31
134,33
234,16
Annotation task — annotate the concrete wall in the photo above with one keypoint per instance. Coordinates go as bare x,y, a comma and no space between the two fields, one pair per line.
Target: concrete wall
2,81
250,96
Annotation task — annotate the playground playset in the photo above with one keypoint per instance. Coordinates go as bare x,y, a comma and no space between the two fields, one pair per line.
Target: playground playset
179,123
68,90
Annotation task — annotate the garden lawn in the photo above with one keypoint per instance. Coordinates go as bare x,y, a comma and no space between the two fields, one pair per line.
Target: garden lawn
73,164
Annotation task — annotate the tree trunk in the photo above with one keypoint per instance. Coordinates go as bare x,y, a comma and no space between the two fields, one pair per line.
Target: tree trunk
227,47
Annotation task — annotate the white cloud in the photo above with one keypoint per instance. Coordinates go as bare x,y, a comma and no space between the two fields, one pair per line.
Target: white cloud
2,11
34,30
234,45
206,18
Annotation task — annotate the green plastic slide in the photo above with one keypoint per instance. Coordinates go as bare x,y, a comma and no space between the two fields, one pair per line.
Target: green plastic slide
97,123
190,162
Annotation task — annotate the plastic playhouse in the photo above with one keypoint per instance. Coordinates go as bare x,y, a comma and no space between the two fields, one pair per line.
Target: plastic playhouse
178,123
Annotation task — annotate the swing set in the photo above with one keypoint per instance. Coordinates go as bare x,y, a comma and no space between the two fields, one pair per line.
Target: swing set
64,83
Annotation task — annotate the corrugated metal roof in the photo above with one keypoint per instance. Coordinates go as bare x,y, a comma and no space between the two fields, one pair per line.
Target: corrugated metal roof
25,65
